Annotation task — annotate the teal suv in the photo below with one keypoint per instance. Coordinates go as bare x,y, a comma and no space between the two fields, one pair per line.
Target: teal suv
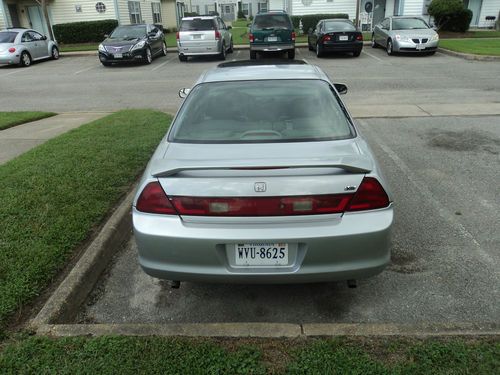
272,32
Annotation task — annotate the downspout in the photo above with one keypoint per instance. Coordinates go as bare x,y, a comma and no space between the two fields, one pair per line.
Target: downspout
117,11
4,12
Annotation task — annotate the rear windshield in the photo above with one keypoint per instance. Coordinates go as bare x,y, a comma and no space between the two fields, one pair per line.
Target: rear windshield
7,36
272,21
339,26
197,24
261,111
129,32
408,24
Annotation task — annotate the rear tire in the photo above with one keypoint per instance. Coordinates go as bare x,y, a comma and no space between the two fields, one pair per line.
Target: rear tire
54,54
25,59
183,58
356,53
291,54
222,54
253,55
148,56
319,50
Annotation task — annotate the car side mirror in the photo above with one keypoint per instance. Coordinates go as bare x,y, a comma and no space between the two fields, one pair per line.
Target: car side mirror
44,37
184,92
341,88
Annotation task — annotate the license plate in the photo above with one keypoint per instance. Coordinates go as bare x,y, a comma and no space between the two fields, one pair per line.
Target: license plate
419,46
197,36
272,38
261,254
118,55
343,37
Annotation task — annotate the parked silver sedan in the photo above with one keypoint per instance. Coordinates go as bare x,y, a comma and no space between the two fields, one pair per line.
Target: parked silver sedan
23,46
405,34
278,186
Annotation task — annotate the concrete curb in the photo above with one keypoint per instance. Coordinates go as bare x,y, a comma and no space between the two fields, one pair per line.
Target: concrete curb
270,330
63,304
468,56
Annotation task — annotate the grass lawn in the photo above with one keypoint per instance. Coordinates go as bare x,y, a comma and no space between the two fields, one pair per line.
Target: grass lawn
79,47
476,46
10,119
156,355
54,196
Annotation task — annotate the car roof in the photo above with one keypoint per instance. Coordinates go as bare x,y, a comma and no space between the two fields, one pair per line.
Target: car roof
420,18
260,71
198,17
336,20
16,29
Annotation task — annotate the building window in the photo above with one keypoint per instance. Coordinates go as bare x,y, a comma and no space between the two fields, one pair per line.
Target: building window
134,10
156,9
262,7
244,9
100,7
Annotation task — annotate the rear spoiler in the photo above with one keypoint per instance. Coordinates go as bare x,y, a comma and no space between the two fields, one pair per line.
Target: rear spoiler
351,164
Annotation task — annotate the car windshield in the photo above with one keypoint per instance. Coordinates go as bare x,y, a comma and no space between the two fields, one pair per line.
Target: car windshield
339,26
197,24
272,22
7,36
261,111
129,32
408,24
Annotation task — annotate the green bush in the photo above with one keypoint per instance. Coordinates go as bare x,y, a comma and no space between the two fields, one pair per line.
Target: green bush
450,15
83,32
310,21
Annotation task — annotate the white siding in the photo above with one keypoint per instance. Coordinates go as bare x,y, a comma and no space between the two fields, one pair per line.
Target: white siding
64,11
323,7
275,5
413,7
489,8
169,20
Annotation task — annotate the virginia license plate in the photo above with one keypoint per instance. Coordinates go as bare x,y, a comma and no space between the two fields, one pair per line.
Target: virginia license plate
261,254
118,55
272,38
343,37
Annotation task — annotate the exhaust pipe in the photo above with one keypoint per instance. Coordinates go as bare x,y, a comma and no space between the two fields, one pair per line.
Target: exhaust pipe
352,284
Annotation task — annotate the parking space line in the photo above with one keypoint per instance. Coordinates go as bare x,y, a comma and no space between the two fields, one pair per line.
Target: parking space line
162,64
375,57
84,70
13,72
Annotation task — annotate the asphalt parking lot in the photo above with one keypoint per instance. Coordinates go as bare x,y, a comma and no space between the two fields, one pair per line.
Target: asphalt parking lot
445,257
83,84
442,170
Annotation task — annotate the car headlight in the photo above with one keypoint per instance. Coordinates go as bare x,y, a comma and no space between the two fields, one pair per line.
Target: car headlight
102,48
139,45
435,37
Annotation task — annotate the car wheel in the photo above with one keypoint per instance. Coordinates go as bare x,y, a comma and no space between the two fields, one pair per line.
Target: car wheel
291,54
231,47
148,57
253,55
25,59
356,53
164,49
55,53
319,50
389,47
183,58
374,44
222,54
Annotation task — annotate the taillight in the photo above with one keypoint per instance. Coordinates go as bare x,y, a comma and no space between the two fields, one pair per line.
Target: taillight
12,50
251,38
326,38
177,35
217,34
153,200
369,196
359,37
261,206
293,36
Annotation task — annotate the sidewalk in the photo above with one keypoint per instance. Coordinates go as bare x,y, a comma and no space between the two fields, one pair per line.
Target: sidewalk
19,139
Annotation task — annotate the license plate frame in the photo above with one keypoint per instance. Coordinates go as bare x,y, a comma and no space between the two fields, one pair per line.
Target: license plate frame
343,38
196,36
420,47
261,254
272,38
118,55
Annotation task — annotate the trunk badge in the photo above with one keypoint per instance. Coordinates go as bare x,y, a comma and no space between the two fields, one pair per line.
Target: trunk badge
350,188
260,187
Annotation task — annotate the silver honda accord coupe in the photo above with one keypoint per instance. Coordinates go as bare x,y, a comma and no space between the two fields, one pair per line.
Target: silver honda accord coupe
276,185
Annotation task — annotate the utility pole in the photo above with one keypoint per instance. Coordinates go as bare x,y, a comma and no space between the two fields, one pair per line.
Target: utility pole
357,13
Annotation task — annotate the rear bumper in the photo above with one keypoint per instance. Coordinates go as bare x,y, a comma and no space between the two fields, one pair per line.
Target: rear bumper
198,49
9,59
271,47
353,246
342,47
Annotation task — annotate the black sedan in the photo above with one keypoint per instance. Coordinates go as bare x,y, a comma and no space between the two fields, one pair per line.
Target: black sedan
132,43
335,35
